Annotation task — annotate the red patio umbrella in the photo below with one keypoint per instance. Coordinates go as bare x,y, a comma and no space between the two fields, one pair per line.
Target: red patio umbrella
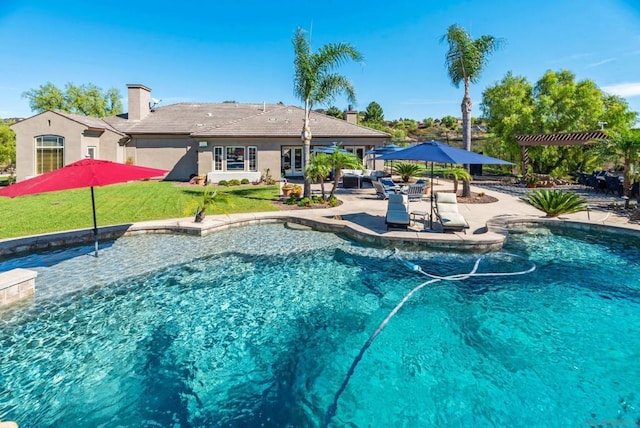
83,173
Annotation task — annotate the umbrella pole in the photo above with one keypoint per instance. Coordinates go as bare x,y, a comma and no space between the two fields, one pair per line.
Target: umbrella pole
431,198
95,223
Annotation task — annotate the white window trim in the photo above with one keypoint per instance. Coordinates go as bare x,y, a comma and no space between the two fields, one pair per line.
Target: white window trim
38,139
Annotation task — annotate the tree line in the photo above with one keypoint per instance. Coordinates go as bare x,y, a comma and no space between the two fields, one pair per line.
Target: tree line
513,106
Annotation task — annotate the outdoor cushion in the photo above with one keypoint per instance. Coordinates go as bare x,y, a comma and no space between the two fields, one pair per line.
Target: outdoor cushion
447,212
398,211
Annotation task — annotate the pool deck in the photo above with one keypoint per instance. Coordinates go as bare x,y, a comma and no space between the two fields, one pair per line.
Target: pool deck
361,216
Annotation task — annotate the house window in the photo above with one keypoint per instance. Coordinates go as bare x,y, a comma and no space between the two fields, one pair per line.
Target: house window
357,151
49,153
252,156
92,152
218,158
235,158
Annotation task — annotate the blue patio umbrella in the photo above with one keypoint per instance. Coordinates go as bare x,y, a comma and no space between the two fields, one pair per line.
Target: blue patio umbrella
383,150
435,151
334,147
390,148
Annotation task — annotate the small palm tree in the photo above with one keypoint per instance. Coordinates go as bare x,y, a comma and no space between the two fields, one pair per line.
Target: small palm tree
342,160
319,169
457,174
406,170
316,82
209,198
465,60
555,202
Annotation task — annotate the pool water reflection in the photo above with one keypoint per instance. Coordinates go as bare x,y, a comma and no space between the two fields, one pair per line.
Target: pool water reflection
258,326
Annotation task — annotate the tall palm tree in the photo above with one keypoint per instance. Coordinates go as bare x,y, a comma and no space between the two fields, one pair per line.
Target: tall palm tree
316,82
623,145
465,60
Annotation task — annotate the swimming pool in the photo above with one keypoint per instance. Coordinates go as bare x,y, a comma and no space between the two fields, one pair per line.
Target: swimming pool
257,326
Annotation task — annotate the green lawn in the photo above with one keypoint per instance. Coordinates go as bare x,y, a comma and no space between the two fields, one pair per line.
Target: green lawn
123,203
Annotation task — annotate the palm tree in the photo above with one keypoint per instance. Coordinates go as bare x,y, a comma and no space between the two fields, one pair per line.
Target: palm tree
623,145
457,174
465,60
341,160
407,170
319,169
555,202
316,82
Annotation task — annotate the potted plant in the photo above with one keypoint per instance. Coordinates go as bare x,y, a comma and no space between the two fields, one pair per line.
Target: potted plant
297,190
287,189
208,198
532,180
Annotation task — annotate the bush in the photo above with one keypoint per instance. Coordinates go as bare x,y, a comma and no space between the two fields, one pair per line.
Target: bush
244,181
407,170
223,183
333,201
555,202
234,182
305,202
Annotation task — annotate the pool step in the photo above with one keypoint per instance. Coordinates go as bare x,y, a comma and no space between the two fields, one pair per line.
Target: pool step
15,285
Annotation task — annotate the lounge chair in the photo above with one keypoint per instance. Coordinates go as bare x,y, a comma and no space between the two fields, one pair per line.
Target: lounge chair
447,213
398,211
380,190
415,192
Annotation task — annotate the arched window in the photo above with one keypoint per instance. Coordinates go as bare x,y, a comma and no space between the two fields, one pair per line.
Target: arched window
49,153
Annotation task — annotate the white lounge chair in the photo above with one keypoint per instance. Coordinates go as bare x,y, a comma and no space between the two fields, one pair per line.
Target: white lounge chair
380,190
398,212
447,213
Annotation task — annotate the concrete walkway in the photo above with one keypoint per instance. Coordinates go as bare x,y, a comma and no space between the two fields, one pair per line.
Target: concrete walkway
361,216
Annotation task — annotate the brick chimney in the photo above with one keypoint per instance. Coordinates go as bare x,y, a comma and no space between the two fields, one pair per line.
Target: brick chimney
139,99
350,115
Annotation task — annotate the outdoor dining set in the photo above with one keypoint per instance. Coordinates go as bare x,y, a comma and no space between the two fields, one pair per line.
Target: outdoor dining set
604,181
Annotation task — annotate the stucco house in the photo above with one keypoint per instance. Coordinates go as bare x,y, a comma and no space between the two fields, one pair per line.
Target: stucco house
220,140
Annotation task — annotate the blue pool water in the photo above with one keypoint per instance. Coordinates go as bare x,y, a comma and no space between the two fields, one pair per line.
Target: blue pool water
258,326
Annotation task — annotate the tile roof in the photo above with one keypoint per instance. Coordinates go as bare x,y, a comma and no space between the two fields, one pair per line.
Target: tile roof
238,120
560,138
89,122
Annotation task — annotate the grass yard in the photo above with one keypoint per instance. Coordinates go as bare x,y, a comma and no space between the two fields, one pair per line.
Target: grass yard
121,204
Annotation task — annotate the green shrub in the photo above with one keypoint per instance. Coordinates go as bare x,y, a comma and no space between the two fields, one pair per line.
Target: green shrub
333,201
223,183
244,181
407,170
305,202
234,182
555,202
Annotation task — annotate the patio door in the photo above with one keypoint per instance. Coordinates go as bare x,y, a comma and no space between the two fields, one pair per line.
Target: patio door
292,161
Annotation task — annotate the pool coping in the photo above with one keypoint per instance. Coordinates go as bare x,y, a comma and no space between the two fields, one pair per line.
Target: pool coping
489,238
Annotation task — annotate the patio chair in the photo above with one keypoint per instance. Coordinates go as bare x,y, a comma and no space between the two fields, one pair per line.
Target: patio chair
447,213
398,212
381,192
415,192
388,184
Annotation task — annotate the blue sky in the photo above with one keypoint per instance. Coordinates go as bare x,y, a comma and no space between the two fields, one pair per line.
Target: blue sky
196,51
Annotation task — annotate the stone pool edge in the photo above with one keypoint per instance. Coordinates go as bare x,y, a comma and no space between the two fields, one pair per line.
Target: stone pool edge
491,237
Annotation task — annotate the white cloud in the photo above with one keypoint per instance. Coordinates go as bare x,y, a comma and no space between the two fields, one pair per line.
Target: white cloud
629,89
604,61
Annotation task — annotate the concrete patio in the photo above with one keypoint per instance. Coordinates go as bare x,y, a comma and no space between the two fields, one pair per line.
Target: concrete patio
361,216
